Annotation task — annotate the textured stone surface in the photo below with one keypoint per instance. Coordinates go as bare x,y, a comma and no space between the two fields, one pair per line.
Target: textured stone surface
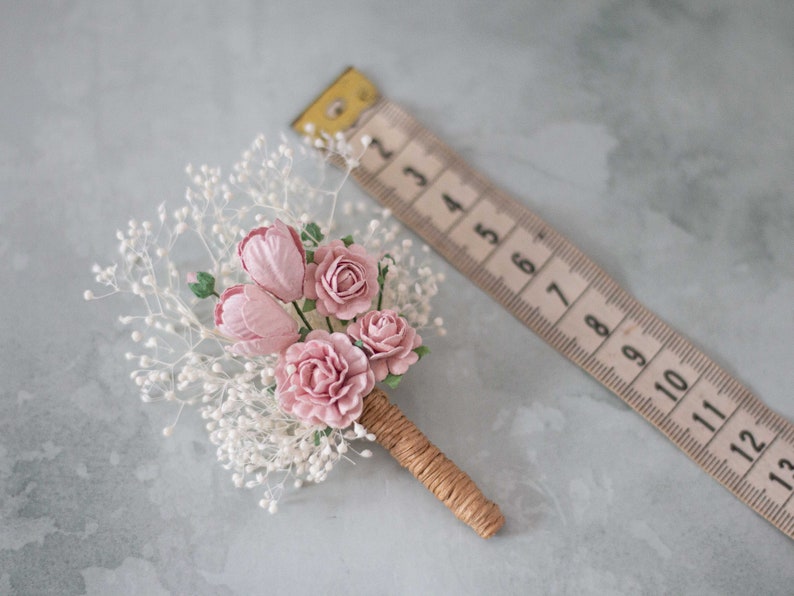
658,135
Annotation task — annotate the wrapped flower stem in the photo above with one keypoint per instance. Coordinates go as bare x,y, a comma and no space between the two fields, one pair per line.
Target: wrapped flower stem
414,451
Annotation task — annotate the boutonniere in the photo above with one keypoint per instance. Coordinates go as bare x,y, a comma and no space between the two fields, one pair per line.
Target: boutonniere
264,306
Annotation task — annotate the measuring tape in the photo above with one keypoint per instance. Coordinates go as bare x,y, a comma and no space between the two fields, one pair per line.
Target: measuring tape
564,297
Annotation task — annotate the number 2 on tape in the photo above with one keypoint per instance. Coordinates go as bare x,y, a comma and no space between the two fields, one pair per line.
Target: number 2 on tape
564,297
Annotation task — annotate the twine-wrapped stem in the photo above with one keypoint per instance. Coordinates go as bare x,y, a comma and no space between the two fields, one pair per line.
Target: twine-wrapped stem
429,465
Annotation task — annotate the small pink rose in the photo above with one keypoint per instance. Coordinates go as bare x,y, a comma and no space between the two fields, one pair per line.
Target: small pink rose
323,380
389,338
260,325
275,259
343,280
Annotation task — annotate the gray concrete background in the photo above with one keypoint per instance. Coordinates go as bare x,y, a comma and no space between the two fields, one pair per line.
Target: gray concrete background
658,135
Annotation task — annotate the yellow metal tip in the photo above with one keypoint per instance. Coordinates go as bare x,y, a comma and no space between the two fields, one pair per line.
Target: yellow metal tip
338,107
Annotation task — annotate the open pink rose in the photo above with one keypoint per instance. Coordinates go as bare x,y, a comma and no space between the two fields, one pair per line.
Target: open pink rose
324,380
343,280
275,259
390,340
260,325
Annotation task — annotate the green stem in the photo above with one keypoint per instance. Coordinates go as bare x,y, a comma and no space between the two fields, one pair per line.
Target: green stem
216,294
301,315
382,279
328,322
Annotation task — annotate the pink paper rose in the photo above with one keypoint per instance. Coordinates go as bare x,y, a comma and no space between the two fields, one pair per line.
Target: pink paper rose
343,280
390,340
275,259
260,325
324,380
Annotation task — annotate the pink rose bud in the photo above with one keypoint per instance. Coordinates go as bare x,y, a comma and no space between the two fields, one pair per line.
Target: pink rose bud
323,380
260,325
191,278
343,280
275,259
389,338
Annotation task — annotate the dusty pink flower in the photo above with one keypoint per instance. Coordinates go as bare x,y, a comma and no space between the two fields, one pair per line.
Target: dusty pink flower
389,338
324,380
260,325
343,280
275,259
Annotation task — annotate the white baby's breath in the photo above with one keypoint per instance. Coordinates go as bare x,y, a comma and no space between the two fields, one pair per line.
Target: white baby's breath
181,358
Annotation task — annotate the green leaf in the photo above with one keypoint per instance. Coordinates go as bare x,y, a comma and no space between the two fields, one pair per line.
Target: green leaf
422,351
204,287
382,271
312,234
309,305
304,331
348,240
358,343
393,380
318,433
309,256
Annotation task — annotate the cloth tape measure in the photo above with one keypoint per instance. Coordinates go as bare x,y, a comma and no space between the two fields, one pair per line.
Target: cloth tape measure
564,297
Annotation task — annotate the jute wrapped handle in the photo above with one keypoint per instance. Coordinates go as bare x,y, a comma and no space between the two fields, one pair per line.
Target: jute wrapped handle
429,465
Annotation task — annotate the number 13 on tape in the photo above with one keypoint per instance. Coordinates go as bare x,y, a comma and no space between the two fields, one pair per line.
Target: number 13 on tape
564,297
